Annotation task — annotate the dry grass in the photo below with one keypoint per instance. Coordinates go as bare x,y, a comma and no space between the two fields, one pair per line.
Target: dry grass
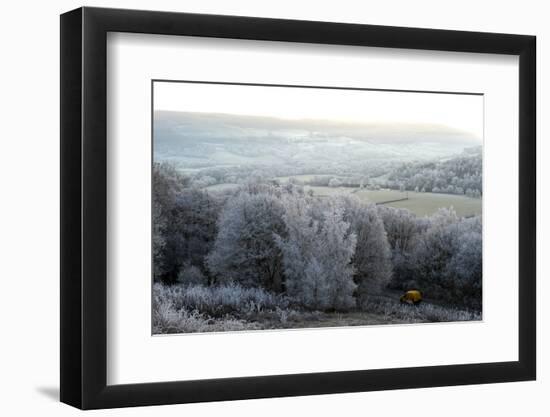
423,313
191,309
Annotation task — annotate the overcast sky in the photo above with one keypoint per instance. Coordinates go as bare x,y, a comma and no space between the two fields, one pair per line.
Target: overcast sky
455,111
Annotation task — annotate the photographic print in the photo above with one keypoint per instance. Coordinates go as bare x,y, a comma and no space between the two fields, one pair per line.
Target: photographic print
284,207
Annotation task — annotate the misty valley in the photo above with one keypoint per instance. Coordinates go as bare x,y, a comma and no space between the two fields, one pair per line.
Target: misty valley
270,223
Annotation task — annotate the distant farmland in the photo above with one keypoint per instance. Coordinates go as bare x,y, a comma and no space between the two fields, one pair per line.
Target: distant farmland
419,203
422,204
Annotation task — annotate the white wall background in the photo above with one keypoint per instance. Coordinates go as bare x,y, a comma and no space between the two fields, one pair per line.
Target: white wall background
29,210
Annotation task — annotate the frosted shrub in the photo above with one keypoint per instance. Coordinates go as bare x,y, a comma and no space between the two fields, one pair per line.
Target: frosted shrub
418,314
170,315
184,321
220,300
165,316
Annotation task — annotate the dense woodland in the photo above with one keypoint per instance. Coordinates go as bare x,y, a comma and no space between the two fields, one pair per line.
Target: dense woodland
272,247
461,175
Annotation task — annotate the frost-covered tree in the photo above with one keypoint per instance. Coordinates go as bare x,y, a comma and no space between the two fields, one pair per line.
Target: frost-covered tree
317,253
298,249
372,257
464,269
166,185
443,216
196,212
334,182
431,254
244,250
159,227
447,259
184,223
336,247
401,227
204,181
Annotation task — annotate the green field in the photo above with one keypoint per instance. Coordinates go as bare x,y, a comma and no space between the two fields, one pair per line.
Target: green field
419,203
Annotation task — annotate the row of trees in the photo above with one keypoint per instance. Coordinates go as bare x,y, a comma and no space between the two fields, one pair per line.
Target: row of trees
325,253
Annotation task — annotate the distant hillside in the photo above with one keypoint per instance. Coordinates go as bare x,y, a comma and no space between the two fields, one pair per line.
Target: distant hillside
199,140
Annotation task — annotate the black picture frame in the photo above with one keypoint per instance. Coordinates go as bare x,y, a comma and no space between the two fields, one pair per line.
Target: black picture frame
84,207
